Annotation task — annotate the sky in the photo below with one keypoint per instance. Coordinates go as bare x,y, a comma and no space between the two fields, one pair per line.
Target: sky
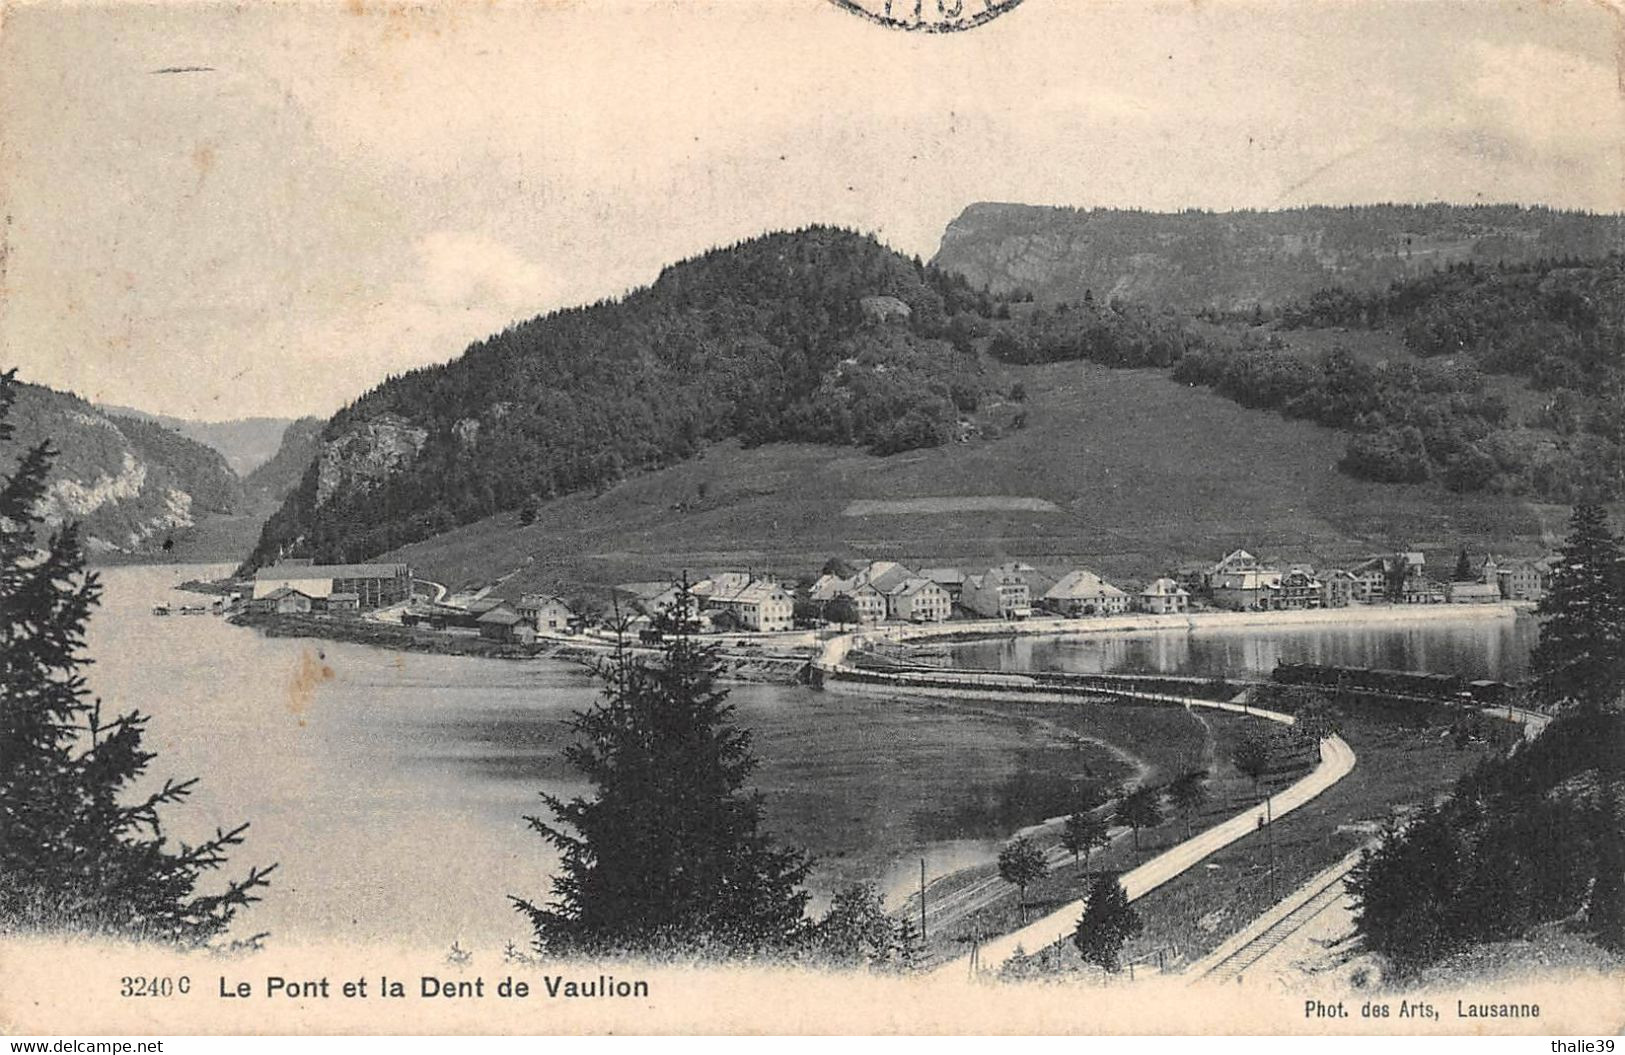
324,194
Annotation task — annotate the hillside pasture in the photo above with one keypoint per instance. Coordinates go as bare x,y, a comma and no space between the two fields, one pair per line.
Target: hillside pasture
1145,471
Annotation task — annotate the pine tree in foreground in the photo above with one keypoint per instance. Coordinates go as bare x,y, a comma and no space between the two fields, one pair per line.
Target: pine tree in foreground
668,857
1581,654
74,857
1107,923
1536,837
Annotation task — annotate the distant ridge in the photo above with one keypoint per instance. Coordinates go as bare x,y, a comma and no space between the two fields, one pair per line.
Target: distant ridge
130,483
246,443
1234,260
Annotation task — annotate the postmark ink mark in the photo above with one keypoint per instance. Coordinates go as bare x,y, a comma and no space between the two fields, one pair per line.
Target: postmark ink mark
928,16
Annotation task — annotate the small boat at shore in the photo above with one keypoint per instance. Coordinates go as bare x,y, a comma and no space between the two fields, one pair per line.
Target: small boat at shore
161,609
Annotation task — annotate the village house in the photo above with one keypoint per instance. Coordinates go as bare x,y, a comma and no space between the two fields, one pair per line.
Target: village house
1235,561
1241,582
1337,588
883,575
546,613
866,589
761,605
1370,583
919,600
869,602
1474,593
950,579
1081,593
1164,597
501,623
827,587
645,597
1294,590
1396,577
1516,580
284,600
374,585
1244,590
1422,590
998,593
342,602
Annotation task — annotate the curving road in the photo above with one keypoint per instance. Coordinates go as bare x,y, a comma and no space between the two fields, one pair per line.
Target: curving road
1294,931
1336,761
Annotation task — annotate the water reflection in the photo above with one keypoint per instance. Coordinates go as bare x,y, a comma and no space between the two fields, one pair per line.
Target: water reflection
1473,648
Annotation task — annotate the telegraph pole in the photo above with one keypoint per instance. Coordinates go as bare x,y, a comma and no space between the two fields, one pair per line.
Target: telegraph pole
1269,837
922,901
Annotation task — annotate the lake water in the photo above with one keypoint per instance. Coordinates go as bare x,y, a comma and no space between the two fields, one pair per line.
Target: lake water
1475,648
391,787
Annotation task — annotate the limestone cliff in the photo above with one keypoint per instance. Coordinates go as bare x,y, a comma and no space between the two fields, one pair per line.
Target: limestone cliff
365,454
130,484
1235,260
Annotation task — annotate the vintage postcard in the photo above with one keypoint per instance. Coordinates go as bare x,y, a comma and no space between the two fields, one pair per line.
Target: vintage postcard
813,516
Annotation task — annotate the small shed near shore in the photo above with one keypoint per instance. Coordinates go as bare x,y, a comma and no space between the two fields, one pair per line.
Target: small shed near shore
504,624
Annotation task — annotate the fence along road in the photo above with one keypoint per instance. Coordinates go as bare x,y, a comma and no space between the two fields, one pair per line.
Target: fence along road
1336,761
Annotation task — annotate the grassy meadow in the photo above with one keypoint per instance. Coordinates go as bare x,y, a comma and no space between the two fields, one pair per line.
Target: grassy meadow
1143,471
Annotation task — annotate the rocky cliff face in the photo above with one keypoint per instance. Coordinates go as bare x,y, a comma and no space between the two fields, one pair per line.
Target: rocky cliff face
276,478
129,484
1235,260
365,454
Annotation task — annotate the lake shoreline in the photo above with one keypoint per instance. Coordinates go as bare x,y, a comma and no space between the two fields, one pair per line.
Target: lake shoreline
1359,615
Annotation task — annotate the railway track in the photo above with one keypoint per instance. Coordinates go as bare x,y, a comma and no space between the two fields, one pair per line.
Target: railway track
1308,902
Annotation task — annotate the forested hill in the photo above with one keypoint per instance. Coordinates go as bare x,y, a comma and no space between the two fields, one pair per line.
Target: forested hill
130,484
277,476
819,334
246,443
1235,260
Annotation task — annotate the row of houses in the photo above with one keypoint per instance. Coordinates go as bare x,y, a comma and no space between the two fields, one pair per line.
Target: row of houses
740,599
1242,582
498,619
287,600
882,590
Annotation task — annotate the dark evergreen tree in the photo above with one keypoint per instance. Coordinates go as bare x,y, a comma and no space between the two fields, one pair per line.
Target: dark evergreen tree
1405,890
1107,923
1464,568
75,854
1581,654
669,855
